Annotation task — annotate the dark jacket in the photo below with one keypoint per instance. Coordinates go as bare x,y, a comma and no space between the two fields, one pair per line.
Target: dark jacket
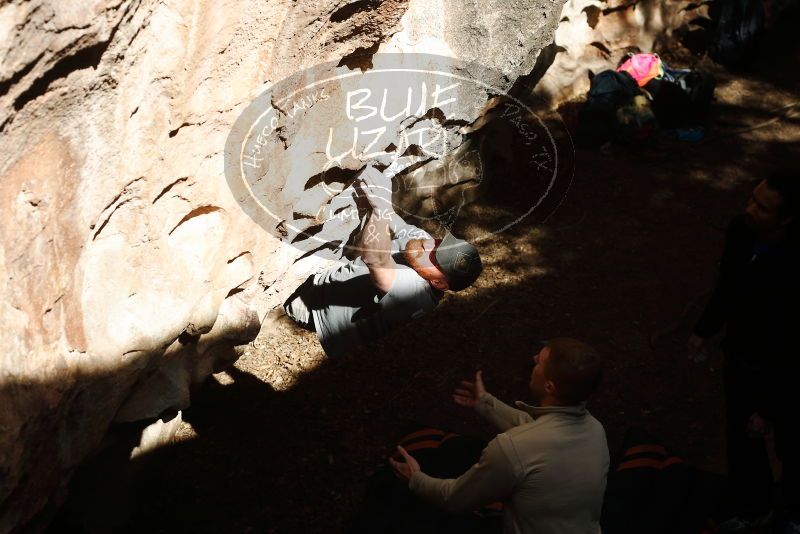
756,300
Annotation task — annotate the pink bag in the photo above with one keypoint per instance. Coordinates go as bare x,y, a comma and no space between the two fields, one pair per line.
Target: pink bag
643,68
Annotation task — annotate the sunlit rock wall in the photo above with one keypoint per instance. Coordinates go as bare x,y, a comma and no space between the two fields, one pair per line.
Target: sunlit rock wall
130,270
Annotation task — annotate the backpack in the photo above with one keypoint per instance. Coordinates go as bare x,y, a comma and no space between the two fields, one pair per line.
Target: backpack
671,104
740,25
653,491
636,121
390,508
699,85
682,99
609,91
643,67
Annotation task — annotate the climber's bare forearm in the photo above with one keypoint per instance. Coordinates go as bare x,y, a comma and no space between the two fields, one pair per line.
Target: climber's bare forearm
376,252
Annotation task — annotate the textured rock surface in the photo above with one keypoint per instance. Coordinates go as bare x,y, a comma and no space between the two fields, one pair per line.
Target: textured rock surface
130,270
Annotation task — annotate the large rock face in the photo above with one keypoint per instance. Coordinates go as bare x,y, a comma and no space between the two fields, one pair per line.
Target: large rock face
131,271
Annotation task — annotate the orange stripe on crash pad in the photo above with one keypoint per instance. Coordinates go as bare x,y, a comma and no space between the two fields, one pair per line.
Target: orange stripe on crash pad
448,436
638,449
429,444
649,462
420,433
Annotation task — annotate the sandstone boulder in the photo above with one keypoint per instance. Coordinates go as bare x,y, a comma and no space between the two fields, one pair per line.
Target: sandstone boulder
131,268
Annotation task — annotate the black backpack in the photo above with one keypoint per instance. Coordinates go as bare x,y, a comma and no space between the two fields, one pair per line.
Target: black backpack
699,85
652,491
739,27
609,91
684,102
671,104
390,508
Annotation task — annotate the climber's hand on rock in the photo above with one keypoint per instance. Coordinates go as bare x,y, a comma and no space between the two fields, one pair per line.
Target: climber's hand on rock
377,186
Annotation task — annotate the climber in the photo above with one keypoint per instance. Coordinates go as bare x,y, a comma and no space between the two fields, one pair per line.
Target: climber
392,282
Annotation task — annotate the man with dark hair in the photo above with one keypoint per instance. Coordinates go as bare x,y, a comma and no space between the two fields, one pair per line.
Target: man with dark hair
756,299
550,462
400,275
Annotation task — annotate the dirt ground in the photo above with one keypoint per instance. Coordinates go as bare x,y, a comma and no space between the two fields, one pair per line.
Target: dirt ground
286,440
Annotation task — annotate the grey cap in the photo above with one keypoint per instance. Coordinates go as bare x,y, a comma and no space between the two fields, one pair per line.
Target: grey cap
459,261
